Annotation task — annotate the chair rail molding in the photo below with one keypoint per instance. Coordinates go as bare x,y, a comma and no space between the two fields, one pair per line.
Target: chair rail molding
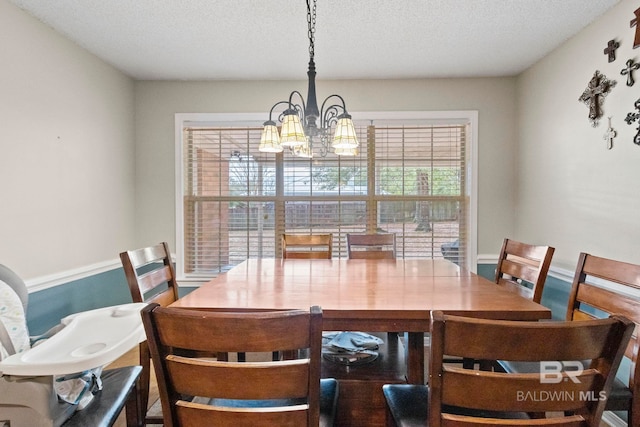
63,277
60,278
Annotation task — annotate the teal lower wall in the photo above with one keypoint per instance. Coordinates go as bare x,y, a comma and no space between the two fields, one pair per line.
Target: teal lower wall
48,306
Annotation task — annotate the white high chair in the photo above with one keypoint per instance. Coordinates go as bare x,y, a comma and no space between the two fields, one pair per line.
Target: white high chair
82,341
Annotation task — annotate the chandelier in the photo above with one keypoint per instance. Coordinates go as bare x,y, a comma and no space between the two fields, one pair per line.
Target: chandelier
303,125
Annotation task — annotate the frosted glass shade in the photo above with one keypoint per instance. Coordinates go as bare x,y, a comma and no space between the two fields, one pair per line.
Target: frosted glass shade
353,151
270,140
292,133
303,150
345,134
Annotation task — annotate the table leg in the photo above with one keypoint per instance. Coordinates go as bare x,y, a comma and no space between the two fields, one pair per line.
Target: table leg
415,358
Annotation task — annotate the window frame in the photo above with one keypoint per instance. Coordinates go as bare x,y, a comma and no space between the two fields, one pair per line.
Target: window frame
469,117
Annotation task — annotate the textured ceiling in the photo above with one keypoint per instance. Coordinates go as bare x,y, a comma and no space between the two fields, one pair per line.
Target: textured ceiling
267,39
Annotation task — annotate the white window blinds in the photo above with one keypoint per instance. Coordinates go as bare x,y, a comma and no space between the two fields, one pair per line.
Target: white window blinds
237,201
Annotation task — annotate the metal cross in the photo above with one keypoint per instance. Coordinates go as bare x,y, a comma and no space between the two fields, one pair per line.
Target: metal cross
609,135
628,71
634,23
599,87
632,117
610,50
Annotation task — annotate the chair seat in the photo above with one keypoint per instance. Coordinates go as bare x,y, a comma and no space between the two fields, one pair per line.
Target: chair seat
618,399
328,402
108,403
407,404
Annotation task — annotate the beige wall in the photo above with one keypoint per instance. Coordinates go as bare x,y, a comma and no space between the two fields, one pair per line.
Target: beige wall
87,154
573,193
66,151
158,102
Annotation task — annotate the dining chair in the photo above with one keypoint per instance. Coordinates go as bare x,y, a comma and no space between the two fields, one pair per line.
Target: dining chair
118,384
460,397
307,246
203,392
523,268
151,278
602,287
371,246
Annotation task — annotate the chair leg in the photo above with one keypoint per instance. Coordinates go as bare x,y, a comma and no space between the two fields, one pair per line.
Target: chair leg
134,416
143,382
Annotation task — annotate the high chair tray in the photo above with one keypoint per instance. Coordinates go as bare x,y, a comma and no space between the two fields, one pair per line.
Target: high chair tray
89,339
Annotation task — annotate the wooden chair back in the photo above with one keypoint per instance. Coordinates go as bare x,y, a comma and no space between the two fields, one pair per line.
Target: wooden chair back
521,264
150,274
477,395
371,246
281,393
603,286
151,278
307,246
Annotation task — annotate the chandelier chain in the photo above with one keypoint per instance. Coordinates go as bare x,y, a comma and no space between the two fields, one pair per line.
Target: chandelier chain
311,22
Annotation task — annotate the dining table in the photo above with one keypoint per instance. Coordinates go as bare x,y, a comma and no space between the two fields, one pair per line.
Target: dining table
365,295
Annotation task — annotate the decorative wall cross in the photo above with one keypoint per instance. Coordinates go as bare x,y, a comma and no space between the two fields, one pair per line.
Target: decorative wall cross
610,50
632,117
634,23
609,135
599,87
628,71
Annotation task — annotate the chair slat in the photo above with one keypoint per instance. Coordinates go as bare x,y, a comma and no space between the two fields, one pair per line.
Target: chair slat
531,394
521,271
190,414
307,246
371,246
612,270
501,340
152,279
450,420
524,261
239,380
234,332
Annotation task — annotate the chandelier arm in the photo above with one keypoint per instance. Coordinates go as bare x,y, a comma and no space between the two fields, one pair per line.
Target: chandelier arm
274,106
329,114
298,107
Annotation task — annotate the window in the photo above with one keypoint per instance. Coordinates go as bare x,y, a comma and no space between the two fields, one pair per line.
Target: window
410,177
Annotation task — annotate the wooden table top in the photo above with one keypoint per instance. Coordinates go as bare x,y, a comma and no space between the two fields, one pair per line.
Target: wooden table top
371,294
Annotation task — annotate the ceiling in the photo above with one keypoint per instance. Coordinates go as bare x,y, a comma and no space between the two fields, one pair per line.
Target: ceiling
365,39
